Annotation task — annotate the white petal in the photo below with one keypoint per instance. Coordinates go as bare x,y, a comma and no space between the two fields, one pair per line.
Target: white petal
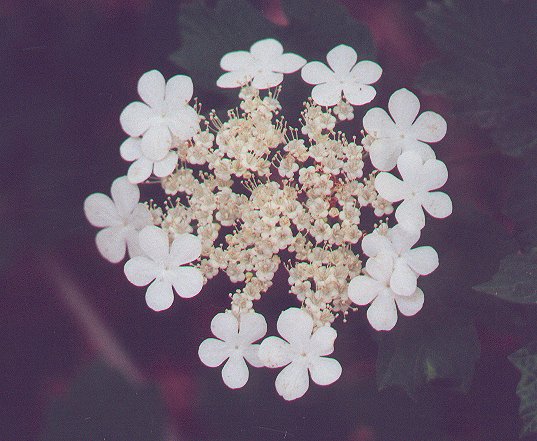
410,214
366,72
288,63
133,245
251,355
159,295
156,142
327,94
267,49
183,121
293,381
235,372
380,268
378,123
410,166
267,80
131,149
322,341
295,325
382,314
404,280
252,327
325,371
141,271
154,243
316,72
166,166
410,305
391,188
274,352
140,170
111,243
230,80
237,61
424,150
225,326
403,239
151,88
186,280
429,127
125,195
213,352
179,89
342,58
433,175
140,217
404,106
185,249
438,204
423,260
101,211
359,94
135,118
384,153
363,289
374,243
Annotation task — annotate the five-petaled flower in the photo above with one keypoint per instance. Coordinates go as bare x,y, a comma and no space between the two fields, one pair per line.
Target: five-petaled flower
344,76
121,218
264,65
234,343
403,133
302,352
162,265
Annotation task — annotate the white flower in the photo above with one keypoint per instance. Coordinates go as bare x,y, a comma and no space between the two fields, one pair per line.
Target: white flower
264,65
302,352
345,75
162,264
141,168
405,134
415,190
374,288
163,113
408,262
234,345
121,218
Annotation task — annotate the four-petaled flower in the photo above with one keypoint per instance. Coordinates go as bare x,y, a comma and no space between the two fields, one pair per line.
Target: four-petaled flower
163,113
344,76
302,352
162,264
415,190
408,263
264,65
374,288
234,343
403,133
121,218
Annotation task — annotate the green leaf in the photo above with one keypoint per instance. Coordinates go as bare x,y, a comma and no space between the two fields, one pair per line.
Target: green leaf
525,359
516,280
484,68
426,351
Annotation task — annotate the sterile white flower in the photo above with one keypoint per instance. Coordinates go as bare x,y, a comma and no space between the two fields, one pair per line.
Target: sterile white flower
234,343
121,218
264,65
162,265
344,76
374,288
164,112
142,166
415,190
302,352
408,263
404,132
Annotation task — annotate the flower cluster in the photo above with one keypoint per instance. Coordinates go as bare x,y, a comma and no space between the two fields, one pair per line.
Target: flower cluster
248,195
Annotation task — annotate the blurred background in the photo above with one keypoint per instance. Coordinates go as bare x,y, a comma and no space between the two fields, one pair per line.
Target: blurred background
85,359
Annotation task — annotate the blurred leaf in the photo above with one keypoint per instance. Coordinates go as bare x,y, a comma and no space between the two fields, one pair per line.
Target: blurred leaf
525,359
487,67
102,405
425,351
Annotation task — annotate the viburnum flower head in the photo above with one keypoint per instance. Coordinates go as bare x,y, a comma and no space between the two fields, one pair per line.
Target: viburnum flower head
164,112
415,190
234,343
374,288
121,218
404,132
300,352
408,262
162,266
264,65
344,76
